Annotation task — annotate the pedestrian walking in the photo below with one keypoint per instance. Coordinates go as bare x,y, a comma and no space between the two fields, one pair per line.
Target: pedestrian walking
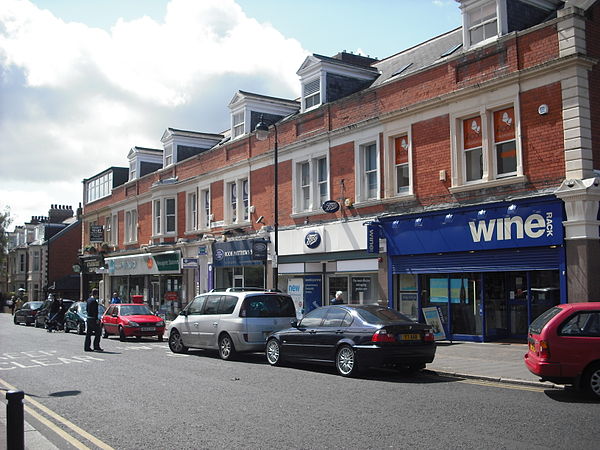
55,310
93,324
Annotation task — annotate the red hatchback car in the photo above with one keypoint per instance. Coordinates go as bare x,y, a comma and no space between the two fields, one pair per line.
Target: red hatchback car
564,346
131,319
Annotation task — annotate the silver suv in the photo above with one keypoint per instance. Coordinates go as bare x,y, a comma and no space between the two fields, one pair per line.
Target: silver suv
231,321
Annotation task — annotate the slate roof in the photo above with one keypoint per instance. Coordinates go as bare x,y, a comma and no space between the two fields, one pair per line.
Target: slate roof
418,57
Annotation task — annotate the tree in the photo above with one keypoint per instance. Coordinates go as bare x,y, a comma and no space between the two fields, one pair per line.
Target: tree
5,221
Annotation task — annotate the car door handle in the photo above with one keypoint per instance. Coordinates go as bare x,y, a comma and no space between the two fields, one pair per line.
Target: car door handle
313,331
196,323
215,324
339,332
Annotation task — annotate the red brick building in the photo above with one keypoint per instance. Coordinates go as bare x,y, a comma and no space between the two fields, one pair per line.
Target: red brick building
459,175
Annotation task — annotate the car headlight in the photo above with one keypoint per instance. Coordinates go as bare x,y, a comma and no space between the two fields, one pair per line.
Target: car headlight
160,324
133,324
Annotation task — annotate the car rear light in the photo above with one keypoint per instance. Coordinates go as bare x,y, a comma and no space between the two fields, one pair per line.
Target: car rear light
428,336
383,336
544,349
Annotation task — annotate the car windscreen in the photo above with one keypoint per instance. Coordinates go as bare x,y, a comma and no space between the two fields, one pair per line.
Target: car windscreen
381,315
135,310
35,305
83,309
538,324
268,306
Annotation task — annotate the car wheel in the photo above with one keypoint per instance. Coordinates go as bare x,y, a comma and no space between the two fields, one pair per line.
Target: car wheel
345,361
176,343
160,338
122,336
35,324
81,328
273,352
15,321
591,380
226,347
66,328
104,332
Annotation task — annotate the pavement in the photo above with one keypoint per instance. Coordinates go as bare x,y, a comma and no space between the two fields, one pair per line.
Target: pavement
497,361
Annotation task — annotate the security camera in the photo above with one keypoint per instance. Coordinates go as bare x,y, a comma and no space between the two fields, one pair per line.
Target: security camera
260,219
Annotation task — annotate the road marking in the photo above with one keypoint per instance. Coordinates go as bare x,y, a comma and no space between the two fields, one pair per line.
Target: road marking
59,419
497,384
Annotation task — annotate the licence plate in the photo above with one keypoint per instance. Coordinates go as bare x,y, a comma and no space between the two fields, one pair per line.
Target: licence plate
148,328
532,346
410,337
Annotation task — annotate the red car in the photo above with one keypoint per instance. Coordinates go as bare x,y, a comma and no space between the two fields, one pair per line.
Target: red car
131,319
564,346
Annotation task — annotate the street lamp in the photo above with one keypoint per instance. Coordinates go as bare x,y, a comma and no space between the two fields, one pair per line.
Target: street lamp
262,133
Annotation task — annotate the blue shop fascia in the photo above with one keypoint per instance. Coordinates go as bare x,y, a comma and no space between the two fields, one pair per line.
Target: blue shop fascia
489,270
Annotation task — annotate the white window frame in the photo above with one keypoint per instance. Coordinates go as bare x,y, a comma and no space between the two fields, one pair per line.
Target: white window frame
478,8
114,230
169,155
132,170
192,211
236,200
312,94
205,203
238,125
362,173
160,217
393,190
490,176
307,193
131,226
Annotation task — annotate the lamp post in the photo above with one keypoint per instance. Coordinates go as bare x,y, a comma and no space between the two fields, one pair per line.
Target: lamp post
262,133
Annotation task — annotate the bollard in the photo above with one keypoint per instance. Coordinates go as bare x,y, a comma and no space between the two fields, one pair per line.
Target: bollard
15,429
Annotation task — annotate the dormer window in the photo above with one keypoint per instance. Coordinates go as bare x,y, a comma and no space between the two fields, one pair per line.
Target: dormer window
312,93
238,124
132,170
482,22
168,155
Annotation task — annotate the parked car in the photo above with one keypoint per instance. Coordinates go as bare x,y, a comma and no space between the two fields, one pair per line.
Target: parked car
75,318
27,313
44,312
564,346
231,321
354,337
131,319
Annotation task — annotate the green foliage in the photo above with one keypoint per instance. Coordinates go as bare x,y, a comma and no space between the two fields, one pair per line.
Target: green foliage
5,221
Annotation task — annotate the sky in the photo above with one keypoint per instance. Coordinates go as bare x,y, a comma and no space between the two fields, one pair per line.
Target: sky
84,81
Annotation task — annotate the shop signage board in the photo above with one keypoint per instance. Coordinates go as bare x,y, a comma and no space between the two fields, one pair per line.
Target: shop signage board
432,317
239,253
485,228
189,263
313,287
145,264
295,289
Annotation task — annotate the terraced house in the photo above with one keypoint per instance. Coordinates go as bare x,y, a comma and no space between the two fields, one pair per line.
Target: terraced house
458,176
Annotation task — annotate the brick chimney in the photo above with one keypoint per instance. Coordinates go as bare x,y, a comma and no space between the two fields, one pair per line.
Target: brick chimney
59,213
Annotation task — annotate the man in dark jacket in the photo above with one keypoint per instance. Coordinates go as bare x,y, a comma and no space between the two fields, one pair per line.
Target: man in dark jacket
93,324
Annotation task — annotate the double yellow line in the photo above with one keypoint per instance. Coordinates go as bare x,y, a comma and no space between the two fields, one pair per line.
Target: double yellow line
30,403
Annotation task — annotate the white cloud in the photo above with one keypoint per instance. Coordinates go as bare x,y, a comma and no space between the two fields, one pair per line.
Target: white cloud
74,99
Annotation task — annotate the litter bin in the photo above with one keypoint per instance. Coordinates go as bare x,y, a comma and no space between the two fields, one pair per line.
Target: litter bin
137,298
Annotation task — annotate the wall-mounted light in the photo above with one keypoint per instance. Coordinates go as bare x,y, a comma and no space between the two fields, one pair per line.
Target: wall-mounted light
543,109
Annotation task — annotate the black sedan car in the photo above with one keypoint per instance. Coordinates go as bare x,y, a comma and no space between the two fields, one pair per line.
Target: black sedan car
75,318
354,337
27,313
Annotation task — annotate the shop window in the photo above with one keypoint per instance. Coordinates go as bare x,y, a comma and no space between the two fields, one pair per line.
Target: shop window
312,185
407,295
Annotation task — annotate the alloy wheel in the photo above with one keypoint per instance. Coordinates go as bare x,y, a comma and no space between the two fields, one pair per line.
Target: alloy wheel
226,348
594,383
273,352
345,361
176,343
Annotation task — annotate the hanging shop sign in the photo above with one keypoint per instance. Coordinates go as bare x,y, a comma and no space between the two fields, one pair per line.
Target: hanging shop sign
373,235
331,206
239,253
145,264
509,225
189,263
96,233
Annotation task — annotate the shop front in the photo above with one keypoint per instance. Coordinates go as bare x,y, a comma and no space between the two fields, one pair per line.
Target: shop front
316,262
239,264
155,276
488,270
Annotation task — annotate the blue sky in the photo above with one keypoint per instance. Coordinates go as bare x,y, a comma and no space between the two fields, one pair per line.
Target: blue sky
83,81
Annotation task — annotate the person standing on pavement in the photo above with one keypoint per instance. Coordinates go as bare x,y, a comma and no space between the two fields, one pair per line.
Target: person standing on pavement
115,298
338,299
93,324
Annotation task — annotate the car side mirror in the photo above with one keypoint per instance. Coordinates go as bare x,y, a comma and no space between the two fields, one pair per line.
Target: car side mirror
294,323
183,313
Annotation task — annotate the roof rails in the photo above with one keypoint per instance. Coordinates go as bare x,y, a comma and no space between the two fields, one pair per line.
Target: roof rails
244,289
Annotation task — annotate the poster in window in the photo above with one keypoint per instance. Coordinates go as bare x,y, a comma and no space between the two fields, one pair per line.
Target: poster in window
472,132
504,125
401,149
